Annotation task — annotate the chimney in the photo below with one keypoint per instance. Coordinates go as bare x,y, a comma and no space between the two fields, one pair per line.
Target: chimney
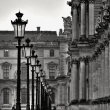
38,28
60,31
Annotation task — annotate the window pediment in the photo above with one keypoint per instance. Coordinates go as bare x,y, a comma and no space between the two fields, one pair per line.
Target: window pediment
52,64
6,64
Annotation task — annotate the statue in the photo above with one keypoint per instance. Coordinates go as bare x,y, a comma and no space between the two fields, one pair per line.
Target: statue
67,22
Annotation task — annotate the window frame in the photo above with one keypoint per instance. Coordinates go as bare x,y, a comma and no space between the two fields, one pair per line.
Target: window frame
52,72
52,53
6,96
6,53
23,72
23,96
6,71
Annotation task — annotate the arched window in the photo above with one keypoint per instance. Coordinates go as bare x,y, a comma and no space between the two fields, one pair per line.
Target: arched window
51,53
5,96
23,95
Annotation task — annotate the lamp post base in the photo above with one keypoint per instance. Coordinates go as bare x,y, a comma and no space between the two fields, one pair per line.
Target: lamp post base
32,107
28,107
18,107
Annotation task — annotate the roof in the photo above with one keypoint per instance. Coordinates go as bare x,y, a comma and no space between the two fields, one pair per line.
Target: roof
33,35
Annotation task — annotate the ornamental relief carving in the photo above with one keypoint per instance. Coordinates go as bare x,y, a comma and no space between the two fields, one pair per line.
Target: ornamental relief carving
74,6
91,1
74,61
85,50
83,1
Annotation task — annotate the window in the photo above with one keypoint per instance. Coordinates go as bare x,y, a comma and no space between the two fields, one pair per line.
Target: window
6,96
6,66
24,72
23,95
6,72
51,72
51,53
52,66
6,53
22,53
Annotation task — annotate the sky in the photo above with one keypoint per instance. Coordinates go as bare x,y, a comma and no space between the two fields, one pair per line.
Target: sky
46,14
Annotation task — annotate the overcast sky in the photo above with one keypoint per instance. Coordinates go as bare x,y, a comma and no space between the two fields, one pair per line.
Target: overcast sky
44,13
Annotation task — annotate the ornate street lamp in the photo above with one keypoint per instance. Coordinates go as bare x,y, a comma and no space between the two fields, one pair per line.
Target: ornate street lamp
19,30
38,66
27,53
33,64
49,97
42,89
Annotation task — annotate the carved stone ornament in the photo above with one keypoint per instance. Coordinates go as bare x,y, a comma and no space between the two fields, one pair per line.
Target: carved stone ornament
102,46
67,22
91,1
83,1
106,42
82,58
96,54
74,61
69,3
98,50
87,59
74,6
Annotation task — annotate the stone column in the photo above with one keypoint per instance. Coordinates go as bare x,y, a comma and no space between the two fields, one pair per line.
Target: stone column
82,80
83,18
90,79
102,67
94,77
99,73
74,22
106,78
109,68
93,63
75,81
87,77
91,18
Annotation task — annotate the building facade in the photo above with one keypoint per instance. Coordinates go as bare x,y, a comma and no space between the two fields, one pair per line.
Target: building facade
75,62
46,46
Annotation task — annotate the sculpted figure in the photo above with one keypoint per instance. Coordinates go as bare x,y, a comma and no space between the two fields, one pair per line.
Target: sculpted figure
67,22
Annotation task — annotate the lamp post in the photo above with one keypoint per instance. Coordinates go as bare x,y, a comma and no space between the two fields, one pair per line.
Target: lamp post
19,31
42,90
49,98
37,85
33,64
27,52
